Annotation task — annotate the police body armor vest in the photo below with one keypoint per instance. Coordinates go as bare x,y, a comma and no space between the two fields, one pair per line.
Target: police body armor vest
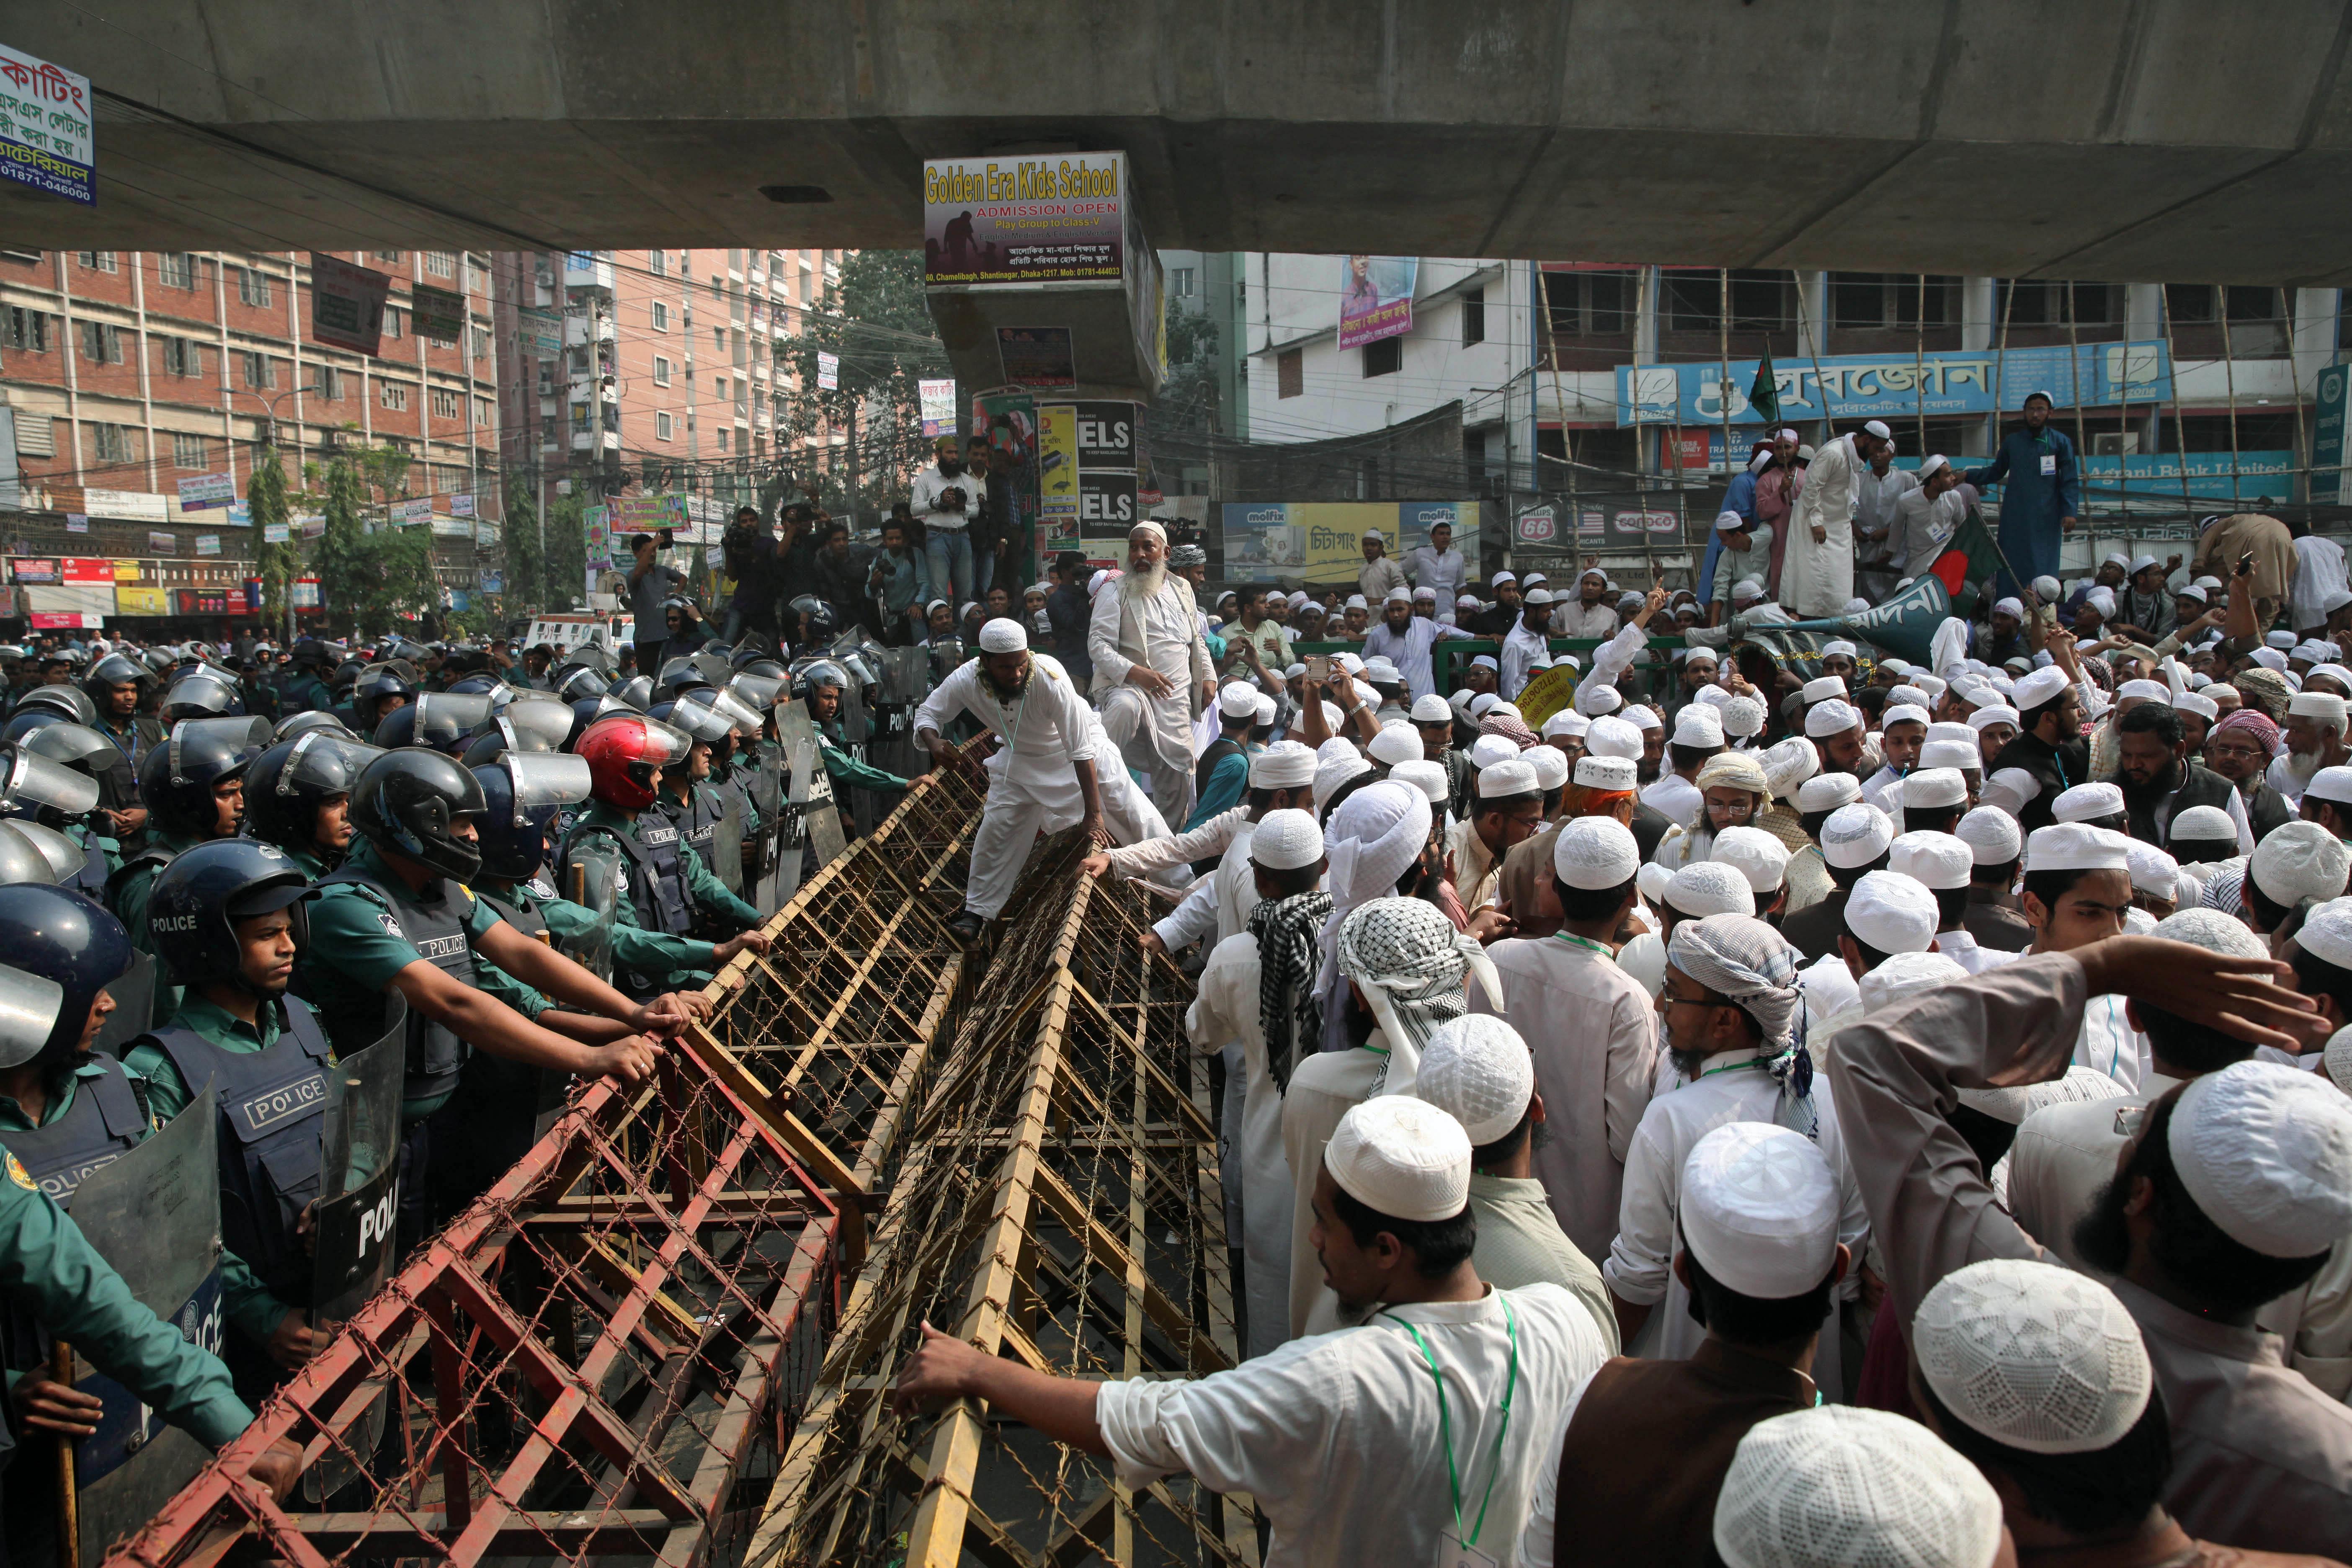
151,856
107,1118
524,919
90,880
270,1103
435,1053
696,817
657,889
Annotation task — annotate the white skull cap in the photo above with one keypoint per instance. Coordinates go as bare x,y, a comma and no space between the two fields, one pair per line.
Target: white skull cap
1238,700
1936,861
1821,688
2033,1355
2337,1060
1892,912
1287,840
1567,722
1904,976
1742,716
1698,725
1502,779
2087,802
1947,755
1788,764
1003,635
1613,737
1401,1157
1755,855
1645,718
1401,743
2299,860
1427,777
1991,835
2034,689
1479,1071
1286,764
1832,718
2214,932
1432,709
1840,1487
2331,785
1709,887
2081,1085
1610,774
2327,932
1489,750
1825,792
1594,852
1592,700
2077,846
1995,714
1551,764
2153,871
2204,824
2265,1150
1934,787
1760,1209
1903,713
1856,834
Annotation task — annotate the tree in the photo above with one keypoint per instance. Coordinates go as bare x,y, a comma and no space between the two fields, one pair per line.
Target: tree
265,497
527,587
372,579
877,321
567,552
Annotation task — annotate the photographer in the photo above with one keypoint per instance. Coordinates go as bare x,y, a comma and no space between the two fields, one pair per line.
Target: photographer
946,500
749,553
651,585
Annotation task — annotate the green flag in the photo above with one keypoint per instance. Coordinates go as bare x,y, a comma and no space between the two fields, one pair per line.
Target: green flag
1764,395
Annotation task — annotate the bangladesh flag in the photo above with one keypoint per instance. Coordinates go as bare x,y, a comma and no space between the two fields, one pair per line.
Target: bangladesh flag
1764,393
1969,565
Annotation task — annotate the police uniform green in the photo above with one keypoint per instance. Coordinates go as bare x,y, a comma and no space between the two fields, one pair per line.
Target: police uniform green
305,693
690,961
311,864
48,1266
127,896
666,960
243,1298
356,947
846,771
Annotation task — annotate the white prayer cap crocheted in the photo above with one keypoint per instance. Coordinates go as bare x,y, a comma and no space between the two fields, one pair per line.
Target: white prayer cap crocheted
1832,718
1489,750
2081,1085
1426,776
1479,1071
1237,700
1760,1209
1755,855
1609,774
1594,852
1003,635
1936,861
1709,887
1891,912
1401,1157
2204,824
2265,1150
1826,792
2087,802
1934,787
2033,1355
2298,860
1398,743
1855,835
1613,737
1991,835
1841,1487
1286,840
1551,764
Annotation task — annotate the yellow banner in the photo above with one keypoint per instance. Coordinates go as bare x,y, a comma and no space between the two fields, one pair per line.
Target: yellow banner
1057,459
1331,534
1549,692
131,601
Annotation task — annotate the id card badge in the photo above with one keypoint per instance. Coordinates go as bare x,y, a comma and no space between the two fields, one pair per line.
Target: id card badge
1452,1553
2049,465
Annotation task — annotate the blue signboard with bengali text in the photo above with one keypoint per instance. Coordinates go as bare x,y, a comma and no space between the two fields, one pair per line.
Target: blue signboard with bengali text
1898,385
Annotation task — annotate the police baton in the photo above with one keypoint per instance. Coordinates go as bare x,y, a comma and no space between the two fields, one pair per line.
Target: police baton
69,1494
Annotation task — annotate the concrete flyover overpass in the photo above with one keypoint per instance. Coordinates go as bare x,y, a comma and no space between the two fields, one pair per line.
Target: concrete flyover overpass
2139,140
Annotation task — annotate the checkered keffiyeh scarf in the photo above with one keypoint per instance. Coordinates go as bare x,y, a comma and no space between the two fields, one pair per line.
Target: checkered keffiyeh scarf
1744,960
1288,1009
1412,966
1512,730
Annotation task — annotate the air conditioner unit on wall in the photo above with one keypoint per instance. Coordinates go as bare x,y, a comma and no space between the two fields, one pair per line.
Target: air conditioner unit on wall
2115,443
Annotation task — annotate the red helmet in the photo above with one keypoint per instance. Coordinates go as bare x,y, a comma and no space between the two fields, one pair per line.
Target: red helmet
624,752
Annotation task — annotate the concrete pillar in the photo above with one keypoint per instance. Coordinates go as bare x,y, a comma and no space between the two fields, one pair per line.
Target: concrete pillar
1645,352
1979,323
2143,322
1812,331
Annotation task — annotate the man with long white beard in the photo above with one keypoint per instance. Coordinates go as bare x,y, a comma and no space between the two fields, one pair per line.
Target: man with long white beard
1149,660
1049,772
2313,733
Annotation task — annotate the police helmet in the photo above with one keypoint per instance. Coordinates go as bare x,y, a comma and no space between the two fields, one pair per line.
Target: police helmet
637,691
536,725
202,691
441,720
177,779
285,785
579,681
33,782
408,801
69,949
70,700
624,753
703,722
309,653
23,860
115,669
678,675
195,903
523,791
298,724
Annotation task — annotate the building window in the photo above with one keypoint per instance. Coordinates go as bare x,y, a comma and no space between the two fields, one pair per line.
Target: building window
116,444
391,395
1590,304
391,326
1179,282
182,357
661,317
260,373
1874,299
23,329
440,264
1383,358
551,432
190,452
742,348
481,412
101,343
175,269
97,260
657,263
481,342
1290,372
723,434
1473,315
326,382
661,371
718,340
252,287
662,427
394,256
444,404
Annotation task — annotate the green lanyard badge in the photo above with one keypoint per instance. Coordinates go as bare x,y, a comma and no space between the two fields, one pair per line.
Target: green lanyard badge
1445,1421
1587,943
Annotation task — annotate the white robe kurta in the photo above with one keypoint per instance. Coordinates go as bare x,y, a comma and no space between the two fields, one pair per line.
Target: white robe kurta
1154,734
1032,786
1818,579
1339,1439
1225,1010
1640,1268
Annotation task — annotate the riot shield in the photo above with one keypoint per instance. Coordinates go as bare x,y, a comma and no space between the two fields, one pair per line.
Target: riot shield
155,1215
352,1223
134,1006
591,878
808,816
727,842
906,673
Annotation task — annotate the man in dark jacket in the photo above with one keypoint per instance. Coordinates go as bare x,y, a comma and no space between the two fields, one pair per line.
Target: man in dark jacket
839,573
1071,612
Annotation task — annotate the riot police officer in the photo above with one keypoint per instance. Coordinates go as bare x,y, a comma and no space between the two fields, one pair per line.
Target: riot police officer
297,796
226,921
381,689
54,796
307,691
64,1114
689,800
193,784
821,684
397,917
115,685
668,883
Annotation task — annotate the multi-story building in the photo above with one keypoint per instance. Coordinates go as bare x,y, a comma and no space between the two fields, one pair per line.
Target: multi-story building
670,369
124,373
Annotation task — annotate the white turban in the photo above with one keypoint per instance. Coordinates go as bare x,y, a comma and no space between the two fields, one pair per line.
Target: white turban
1752,965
